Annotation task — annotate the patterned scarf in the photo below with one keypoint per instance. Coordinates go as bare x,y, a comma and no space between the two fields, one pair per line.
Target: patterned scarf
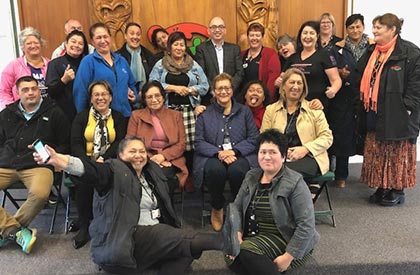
171,66
359,49
370,81
100,137
136,66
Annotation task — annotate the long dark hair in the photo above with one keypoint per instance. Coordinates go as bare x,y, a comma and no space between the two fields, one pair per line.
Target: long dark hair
85,42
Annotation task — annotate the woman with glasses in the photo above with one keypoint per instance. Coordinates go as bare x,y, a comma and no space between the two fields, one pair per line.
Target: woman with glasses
327,37
163,133
184,83
225,141
95,135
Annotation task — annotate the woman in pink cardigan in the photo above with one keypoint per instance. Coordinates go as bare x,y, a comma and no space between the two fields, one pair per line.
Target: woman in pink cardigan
30,63
260,63
163,133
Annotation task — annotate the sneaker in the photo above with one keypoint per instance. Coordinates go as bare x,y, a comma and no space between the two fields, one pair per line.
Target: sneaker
52,199
26,238
230,231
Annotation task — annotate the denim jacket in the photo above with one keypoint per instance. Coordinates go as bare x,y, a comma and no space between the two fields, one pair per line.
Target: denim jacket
198,80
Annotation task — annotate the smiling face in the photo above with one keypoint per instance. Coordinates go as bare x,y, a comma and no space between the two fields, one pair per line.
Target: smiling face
309,37
32,46
74,46
270,158
100,99
101,40
178,49
154,99
254,96
286,49
255,39
223,92
217,29
355,31
382,34
162,40
326,26
293,88
134,153
133,37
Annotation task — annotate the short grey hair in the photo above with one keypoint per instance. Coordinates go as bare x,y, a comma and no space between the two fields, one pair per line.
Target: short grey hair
30,31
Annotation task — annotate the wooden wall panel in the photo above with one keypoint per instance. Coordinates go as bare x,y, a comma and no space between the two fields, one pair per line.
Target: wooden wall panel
166,13
293,13
49,16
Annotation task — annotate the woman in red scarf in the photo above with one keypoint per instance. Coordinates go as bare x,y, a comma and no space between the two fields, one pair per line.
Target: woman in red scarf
391,100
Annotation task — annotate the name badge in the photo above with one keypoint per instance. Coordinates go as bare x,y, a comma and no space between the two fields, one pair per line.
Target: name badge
227,146
155,213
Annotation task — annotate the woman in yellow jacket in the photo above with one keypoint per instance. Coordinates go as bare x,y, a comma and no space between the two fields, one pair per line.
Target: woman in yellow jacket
307,130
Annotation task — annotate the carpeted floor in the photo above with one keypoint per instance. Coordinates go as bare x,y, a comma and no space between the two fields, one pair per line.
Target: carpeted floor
368,239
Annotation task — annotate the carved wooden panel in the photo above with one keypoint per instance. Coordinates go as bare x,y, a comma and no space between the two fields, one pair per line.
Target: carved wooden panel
265,12
115,14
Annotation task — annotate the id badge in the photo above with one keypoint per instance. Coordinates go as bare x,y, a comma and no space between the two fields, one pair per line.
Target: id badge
155,213
227,146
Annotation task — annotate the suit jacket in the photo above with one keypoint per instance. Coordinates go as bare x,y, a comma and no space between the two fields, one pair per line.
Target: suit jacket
232,62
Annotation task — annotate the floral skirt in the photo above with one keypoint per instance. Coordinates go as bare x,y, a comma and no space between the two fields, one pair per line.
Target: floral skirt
388,164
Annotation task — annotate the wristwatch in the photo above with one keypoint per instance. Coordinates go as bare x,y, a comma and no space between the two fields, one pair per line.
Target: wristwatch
189,90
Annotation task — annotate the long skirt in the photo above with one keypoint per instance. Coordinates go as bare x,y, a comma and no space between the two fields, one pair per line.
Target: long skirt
388,164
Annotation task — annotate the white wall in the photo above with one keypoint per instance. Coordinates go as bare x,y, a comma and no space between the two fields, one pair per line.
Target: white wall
402,8
7,40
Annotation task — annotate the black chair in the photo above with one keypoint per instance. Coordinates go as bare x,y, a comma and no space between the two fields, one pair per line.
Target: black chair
323,181
9,194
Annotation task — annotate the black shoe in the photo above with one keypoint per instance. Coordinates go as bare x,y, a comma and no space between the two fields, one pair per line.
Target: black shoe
74,226
393,198
81,238
379,194
230,230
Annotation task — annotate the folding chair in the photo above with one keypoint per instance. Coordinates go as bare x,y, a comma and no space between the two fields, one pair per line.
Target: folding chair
323,182
58,181
178,199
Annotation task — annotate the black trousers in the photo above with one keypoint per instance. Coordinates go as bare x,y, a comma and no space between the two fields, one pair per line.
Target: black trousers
216,173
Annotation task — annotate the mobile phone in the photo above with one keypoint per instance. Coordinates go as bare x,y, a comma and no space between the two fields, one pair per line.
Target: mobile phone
40,149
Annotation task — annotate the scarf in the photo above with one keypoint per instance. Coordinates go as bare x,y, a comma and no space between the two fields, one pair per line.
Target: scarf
172,67
359,49
136,66
369,85
101,136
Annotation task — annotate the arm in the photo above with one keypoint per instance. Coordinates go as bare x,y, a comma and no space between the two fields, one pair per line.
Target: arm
6,85
411,95
201,145
274,69
177,149
335,81
80,86
248,144
77,139
323,135
267,121
238,67
200,82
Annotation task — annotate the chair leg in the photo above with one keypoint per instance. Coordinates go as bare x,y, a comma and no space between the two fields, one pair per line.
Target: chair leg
327,191
59,199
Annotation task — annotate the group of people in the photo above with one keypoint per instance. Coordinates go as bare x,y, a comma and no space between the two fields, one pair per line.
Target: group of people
261,120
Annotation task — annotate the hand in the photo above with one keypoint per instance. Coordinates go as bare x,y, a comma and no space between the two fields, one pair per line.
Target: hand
278,80
224,154
165,163
229,160
240,241
199,110
316,104
182,90
100,160
68,75
283,261
330,93
131,95
344,72
59,161
158,158
296,153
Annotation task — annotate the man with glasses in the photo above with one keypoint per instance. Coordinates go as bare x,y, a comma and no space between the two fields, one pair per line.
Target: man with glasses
21,123
69,26
216,56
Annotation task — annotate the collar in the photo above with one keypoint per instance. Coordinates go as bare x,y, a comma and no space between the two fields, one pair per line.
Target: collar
27,114
215,46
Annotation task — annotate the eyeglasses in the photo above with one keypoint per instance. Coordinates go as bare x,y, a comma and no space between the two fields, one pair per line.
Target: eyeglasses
325,22
221,89
151,97
215,27
72,28
97,95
